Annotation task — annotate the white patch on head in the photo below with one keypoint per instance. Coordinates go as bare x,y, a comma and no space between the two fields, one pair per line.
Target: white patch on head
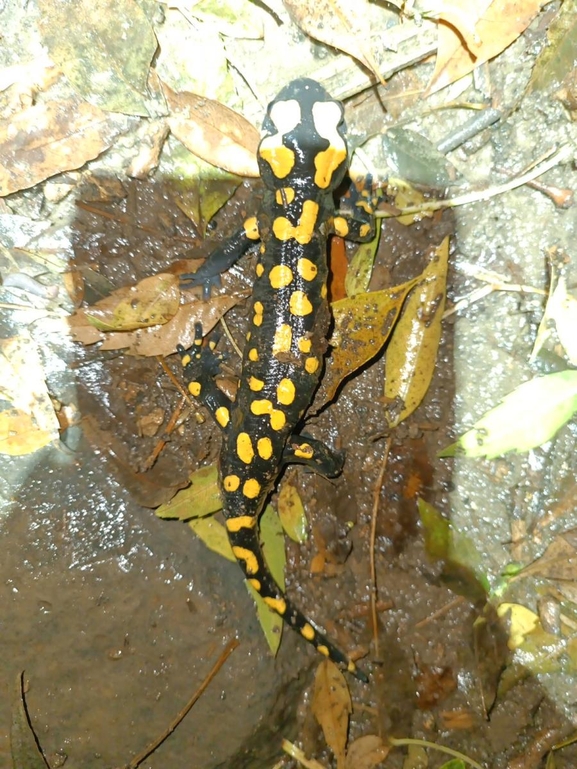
327,116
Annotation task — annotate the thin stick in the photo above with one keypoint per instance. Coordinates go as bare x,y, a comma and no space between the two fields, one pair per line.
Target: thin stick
374,591
227,651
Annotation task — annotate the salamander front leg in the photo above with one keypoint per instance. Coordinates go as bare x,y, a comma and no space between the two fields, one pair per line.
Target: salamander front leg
314,454
201,364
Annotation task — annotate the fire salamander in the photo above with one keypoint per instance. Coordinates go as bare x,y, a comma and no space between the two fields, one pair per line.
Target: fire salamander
303,158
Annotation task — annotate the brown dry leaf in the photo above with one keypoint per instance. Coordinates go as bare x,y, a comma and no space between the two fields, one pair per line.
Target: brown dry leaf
162,340
30,422
412,351
486,29
559,561
153,301
52,137
213,132
366,752
340,24
332,706
362,326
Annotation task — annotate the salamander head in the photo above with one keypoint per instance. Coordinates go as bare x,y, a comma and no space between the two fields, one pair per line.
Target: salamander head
304,136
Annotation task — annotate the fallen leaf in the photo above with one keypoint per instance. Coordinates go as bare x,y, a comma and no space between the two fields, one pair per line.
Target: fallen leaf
522,622
151,302
527,417
291,512
331,706
412,352
344,26
362,325
199,499
104,47
557,58
488,28
52,137
213,131
361,267
30,422
559,561
366,752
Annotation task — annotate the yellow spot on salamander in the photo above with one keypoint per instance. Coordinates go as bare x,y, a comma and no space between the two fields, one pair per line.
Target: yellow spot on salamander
326,117
326,163
255,384
364,230
255,583
351,667
304,451
241,522
185,360
258,311
281,159
222,416
194,388
283,337
259,270
303,231
253,355
323,650
280,276
277,419
285,392
276,604
324,291
285,196
340,226
308,632
260,407
264,448
304,344
244,448
249,558
299,304
251,488
311,365
307,269
251,228
231,482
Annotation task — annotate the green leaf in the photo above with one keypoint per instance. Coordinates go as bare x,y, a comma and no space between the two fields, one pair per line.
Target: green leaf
198,500
26,752
360,269
214,536
557,58
527,417
454,763
462,563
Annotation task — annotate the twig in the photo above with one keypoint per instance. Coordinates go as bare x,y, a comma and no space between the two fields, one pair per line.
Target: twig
374,591
557,157
298,755
227,651
434,746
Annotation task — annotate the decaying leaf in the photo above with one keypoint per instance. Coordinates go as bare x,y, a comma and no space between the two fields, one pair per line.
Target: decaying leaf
527,417
30,422
463,565
360,269
291,512
104,47
412,351
559,561
26,753
366,752
199,499
151,302
341,25
213,131
332,707
213,535
52,137
471,33
557,58
362,326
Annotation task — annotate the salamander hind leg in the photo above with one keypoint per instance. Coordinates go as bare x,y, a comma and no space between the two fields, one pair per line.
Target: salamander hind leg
201,364
242,533
316,455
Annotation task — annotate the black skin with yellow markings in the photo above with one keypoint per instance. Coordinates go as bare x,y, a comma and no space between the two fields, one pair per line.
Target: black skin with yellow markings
302,159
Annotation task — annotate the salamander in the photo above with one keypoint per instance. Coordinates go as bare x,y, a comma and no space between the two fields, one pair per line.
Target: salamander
303,158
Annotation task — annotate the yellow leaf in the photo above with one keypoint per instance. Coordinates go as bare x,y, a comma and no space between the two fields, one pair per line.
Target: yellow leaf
291,512
332,706
522,621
